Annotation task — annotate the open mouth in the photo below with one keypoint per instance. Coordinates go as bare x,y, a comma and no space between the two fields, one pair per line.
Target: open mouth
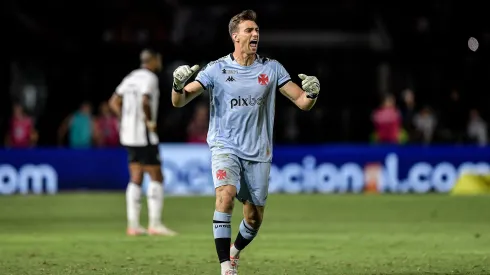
253,43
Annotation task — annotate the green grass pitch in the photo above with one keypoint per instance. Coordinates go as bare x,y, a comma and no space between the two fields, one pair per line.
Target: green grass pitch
302,234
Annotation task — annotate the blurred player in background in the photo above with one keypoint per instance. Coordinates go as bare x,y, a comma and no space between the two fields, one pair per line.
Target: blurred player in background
21,132
242,88
136,103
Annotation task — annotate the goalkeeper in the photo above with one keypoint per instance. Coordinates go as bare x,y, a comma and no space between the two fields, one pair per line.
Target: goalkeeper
242,88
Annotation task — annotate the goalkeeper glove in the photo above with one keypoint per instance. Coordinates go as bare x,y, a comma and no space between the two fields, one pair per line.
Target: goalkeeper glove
310,85
181,75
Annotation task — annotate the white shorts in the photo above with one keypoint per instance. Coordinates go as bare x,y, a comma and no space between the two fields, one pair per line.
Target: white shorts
252,178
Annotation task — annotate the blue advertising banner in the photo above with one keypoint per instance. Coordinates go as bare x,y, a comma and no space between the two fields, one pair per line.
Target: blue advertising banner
49,170
375,169
187,169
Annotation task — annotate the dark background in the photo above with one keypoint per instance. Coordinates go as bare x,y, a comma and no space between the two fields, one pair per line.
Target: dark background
72,51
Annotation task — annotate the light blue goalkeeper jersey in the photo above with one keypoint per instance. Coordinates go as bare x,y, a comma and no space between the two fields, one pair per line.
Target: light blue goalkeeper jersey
242,106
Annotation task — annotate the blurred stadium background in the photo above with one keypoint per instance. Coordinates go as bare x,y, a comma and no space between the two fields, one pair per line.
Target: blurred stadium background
365,183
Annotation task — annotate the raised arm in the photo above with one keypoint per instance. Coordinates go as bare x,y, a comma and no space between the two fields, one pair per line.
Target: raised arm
305,97
181,93
188,93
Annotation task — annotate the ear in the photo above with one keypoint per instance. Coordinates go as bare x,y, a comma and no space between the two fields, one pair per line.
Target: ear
235,37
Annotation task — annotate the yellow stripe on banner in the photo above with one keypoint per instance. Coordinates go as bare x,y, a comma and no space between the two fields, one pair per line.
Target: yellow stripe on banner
472,184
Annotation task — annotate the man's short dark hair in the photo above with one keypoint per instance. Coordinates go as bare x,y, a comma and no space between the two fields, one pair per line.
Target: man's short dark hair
148,54
246,15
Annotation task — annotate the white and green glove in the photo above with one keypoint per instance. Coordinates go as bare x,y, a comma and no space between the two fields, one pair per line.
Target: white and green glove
181,75
310,85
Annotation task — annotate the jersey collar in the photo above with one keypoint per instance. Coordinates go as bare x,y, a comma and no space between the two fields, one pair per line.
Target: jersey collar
257,58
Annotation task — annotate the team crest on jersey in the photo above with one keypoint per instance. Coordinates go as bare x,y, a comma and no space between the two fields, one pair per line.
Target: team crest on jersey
263,79
221,174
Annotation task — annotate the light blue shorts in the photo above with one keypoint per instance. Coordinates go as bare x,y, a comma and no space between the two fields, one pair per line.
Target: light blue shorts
252,178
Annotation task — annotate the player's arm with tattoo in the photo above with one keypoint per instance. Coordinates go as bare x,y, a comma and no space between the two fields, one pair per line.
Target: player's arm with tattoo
149,120
115,104
303,98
